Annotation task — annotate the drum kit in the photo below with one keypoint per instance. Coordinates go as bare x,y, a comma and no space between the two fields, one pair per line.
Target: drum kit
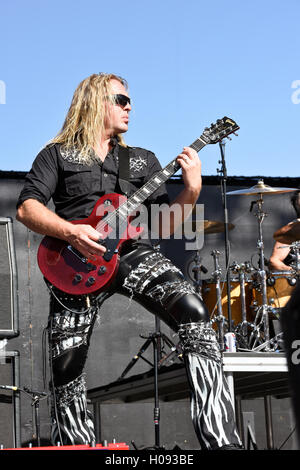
250,308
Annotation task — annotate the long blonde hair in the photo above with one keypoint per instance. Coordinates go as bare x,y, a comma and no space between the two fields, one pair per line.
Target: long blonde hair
84,122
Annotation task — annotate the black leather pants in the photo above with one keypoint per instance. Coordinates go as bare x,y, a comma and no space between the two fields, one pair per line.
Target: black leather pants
146,276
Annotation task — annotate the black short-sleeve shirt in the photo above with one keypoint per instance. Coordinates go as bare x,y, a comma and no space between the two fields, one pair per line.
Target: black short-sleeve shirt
75,187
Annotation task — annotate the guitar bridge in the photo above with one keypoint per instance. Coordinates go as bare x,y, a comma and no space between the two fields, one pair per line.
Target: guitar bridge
77,253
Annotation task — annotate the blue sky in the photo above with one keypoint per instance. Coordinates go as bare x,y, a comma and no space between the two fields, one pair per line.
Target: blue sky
187,63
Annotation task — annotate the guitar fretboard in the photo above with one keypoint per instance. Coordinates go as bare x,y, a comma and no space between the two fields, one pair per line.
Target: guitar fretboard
218,131
155,182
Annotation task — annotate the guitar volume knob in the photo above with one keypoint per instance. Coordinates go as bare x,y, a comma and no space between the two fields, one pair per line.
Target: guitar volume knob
77,278
101,270
91,280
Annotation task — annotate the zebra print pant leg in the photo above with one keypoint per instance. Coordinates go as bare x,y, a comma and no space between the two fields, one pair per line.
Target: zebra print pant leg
211,402
158,285
72,422
69,333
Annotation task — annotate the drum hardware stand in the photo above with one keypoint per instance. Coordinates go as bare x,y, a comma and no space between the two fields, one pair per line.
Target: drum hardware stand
262,272
220,319
154,338
242,328
223,177
197,269
274,341
175,351
256,335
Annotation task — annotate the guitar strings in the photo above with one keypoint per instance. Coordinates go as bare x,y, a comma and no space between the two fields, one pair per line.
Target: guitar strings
171,168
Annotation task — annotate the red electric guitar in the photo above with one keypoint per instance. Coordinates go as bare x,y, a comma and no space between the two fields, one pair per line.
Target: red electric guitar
68,270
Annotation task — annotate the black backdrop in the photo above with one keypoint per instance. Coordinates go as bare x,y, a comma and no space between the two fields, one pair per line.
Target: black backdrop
116,335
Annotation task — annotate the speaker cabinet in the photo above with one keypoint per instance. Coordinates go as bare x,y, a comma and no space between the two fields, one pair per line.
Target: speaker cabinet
10,415
9,314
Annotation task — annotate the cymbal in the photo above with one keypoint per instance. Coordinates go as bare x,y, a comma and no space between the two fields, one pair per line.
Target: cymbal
209,226
288,233
260,188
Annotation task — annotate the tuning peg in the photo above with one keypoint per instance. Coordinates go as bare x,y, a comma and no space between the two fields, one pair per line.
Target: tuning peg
229,138
235,134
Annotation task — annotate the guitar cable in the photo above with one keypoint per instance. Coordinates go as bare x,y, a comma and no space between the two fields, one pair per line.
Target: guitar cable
52,382
50,287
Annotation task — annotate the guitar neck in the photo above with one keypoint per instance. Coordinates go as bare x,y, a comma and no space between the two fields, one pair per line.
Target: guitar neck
158,179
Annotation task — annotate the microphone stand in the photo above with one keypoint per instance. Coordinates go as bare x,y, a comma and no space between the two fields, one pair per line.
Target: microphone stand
155,339
223,178
35,397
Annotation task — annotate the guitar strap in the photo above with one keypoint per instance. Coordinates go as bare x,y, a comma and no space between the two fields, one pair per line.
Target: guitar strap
124,170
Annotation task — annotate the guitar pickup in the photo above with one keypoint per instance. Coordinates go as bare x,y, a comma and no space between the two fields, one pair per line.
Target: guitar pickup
109,254
89,266
77,253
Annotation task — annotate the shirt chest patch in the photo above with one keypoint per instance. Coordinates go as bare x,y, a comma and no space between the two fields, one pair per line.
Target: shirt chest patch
136,164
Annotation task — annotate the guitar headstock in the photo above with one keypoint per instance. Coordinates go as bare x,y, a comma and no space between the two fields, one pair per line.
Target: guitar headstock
220,130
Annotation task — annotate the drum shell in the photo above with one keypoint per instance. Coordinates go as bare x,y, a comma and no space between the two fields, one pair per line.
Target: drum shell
209,294
278,294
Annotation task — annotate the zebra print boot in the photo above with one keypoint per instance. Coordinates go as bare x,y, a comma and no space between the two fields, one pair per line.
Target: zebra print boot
211,402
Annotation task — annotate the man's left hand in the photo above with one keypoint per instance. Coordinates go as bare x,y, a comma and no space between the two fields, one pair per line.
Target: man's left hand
190,164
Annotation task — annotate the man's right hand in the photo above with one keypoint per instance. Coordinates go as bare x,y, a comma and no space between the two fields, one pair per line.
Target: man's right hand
86,240
40,219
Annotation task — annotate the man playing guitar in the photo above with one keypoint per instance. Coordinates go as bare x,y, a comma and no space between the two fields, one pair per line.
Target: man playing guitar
75,169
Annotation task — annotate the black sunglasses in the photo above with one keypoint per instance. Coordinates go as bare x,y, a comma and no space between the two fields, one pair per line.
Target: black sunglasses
122,100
